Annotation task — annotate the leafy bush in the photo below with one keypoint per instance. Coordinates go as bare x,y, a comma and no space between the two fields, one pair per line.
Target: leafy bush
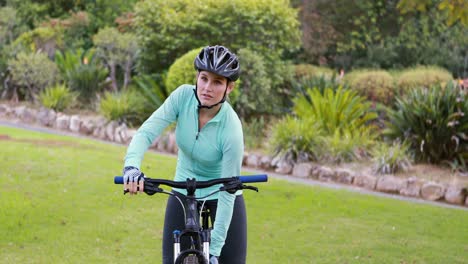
58,97
341,109
41,39
422,76
254,87
320,83
69,60
82,73
393,158
434,121
333,126
32,73
255,132
346,144
294,139
376,85
182,71
122,106
152,92
87,79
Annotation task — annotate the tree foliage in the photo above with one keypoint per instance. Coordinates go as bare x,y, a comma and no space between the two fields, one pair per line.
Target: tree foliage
457,10
168,29
385,34
31,73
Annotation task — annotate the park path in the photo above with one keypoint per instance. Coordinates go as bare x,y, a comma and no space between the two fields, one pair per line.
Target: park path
289,178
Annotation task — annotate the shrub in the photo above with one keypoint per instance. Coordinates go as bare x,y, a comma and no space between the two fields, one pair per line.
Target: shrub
87,80
254,86
32,73
152,92
293,139
346,145
333,126
434,121
376,85
255,132
393,158
182,71
122,106
422,76
341,109
82,73
58,97
320,83
41,39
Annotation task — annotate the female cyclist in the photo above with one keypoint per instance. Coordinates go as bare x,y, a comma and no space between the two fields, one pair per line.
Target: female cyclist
210,141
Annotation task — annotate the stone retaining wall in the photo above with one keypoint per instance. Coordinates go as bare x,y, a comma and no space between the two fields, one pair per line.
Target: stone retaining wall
99,127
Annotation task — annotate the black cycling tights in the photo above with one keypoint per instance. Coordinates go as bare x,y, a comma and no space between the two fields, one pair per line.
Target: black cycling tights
234,250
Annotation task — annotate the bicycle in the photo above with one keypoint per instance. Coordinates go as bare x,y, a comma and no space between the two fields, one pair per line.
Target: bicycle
198,235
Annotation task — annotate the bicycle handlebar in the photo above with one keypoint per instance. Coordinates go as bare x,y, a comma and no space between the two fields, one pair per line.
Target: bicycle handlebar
231,184
201,184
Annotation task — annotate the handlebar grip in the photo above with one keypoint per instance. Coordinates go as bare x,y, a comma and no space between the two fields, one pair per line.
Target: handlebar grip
118,180
254,178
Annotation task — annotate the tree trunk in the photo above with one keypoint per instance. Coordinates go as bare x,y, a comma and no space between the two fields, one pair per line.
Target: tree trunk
112,76
127,75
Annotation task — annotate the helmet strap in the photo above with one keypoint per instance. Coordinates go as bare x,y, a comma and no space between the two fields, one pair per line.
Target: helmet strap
200,106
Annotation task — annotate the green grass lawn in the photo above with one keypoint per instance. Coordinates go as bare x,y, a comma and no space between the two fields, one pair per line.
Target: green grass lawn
58,204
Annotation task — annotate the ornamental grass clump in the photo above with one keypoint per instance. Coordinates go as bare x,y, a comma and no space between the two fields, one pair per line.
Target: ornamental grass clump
123,107
335,126
434,121
293,139
388,159
58,97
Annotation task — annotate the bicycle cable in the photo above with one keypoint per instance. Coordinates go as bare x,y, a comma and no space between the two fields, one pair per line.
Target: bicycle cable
178,199
201,209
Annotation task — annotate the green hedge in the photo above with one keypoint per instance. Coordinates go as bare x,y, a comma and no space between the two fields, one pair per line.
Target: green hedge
376,85
422,76
182,71
307,71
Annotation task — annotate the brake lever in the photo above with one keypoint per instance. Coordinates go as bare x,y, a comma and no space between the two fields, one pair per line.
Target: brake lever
233,187
149,189
250,187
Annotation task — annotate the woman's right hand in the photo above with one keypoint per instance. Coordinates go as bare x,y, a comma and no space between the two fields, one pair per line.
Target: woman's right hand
133,180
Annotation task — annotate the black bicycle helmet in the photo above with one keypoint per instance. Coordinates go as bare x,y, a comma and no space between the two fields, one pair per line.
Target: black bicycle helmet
219,60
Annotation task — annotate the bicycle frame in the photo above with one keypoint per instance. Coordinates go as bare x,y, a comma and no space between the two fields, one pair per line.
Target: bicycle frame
192,227
200,235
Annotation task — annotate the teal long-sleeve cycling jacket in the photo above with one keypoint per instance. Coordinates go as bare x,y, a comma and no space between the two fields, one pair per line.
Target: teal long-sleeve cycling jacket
213,152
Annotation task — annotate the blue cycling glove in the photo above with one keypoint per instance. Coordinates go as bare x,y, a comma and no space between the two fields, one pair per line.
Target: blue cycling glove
133,179
213,259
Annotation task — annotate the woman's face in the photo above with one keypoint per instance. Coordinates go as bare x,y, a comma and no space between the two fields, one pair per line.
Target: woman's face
211,87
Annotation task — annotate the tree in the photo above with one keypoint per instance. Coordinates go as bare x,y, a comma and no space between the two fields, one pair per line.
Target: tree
457,10
169,29
116,50
30,74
